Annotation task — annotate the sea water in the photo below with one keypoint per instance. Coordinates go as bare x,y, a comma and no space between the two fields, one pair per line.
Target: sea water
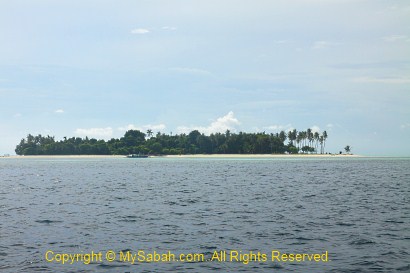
228,215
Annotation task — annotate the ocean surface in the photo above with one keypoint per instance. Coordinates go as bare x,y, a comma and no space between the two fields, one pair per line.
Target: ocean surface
355,209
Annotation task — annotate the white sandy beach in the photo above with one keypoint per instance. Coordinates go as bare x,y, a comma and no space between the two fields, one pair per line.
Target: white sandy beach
259,156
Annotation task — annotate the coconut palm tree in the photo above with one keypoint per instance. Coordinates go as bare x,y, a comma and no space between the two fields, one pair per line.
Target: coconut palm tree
299,138
321,140
282,135
149,133
316,136
292,136
310,137
324,140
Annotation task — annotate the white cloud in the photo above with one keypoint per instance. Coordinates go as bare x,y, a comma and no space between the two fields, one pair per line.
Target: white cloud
140,31
95,132
144,128
169,28
315,128
391,80
17,115
323,44
278,128
396,38
405,126
59,111
288,127
227,122
190,70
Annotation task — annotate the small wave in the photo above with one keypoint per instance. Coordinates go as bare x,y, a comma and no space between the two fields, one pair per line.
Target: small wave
361,242
394,221
405,268
38,269
274,266
71,246
48,221
304,239
178,213
113,265
345,224
199,224
341,270
54,243
170,203
129,219
208,247
309,196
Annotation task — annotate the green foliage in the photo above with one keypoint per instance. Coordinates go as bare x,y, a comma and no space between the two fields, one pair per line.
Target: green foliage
135,142
308,149
293,150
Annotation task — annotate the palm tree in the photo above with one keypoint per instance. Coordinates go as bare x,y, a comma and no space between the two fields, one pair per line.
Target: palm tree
292,135
348,149
321,140
310,137
304,137
317,138
299,139
282,135
149,133
324,140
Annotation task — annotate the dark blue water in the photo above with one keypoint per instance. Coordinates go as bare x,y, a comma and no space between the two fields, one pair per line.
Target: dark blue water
355,209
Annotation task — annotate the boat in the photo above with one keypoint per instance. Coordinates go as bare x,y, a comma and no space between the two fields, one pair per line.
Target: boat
136,156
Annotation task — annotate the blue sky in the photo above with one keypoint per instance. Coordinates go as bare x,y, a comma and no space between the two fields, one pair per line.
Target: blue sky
98,68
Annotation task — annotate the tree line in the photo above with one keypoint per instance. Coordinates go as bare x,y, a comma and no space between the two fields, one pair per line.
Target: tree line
137,142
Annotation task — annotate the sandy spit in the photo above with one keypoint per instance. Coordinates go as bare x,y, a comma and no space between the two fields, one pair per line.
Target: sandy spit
258,156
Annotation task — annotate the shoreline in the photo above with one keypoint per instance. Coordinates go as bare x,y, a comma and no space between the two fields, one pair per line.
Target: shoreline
189,156
259,156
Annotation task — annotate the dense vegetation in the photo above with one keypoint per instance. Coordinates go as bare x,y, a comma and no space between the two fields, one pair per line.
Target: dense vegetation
137,142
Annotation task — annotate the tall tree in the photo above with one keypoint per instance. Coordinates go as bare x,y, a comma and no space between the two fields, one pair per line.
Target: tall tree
324,140
292,135
149,133
310,137
282,136
321,144
316,136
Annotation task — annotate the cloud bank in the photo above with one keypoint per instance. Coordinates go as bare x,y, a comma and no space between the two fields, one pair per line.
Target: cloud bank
227,122
144,128
94,132
140,31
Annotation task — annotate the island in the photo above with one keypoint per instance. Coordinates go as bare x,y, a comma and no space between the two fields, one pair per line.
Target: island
137,142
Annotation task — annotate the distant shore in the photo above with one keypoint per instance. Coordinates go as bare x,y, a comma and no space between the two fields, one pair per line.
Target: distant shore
191,156
259,155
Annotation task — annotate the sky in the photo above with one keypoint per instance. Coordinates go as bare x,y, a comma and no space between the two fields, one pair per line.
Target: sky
100,68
